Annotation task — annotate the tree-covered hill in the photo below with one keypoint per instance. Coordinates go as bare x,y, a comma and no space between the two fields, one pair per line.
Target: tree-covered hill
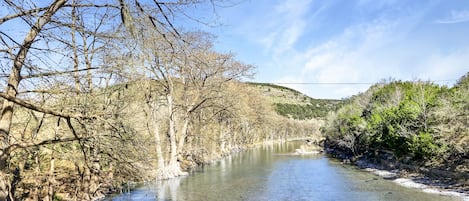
293,104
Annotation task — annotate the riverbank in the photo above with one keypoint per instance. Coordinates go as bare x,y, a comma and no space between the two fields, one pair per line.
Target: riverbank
416,181
409,178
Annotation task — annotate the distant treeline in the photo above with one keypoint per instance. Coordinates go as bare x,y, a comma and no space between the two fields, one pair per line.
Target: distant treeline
273,86
317,109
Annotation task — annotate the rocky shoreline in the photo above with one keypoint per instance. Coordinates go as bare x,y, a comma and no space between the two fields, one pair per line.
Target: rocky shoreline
425,185
414,180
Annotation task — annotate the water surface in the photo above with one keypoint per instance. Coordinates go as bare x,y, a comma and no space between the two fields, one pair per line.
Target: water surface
272,173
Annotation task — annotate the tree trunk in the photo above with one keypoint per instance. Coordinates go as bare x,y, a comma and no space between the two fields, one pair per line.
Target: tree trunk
12,90
172,169
222,140
172,131
156,132
95,169
183,134
153,127
89,77
75,51
51,177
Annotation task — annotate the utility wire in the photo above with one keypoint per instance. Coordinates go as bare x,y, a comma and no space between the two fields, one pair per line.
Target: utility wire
324,83
345,83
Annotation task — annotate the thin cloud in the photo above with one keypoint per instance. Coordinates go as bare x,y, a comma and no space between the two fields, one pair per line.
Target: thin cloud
289,24
445,66
371,51
280,28
456,17
358,42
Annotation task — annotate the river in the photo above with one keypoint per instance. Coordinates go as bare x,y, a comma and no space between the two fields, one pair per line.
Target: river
272,173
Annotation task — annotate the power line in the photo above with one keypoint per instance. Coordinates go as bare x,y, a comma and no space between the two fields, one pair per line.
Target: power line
325,83
344,83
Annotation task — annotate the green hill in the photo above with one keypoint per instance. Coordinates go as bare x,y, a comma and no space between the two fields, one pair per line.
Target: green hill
293,104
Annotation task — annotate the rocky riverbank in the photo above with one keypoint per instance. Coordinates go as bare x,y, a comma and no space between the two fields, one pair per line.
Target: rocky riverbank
416,180
409,175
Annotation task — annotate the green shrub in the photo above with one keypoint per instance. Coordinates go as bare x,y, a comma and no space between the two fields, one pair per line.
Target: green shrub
407,118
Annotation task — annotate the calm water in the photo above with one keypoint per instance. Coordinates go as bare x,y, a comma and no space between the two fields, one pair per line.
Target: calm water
269,173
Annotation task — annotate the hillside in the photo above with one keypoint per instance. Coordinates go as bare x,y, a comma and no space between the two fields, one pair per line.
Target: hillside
293,104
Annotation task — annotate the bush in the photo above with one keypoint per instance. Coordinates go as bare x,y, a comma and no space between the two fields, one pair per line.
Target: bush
418,119
423,146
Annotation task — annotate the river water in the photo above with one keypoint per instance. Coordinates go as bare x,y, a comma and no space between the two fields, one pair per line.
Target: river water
272,173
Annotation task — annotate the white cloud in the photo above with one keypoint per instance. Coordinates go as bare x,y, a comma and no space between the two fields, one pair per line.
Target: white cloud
371,51
268,40
456,17
289,37
309,41
438,66
282,28
293,8
319,61
288,24
347,58
373,4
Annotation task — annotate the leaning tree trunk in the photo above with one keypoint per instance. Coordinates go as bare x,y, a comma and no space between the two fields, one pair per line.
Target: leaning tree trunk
12,90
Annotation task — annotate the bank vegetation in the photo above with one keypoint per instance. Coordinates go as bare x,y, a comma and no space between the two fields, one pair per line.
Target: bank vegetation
417,126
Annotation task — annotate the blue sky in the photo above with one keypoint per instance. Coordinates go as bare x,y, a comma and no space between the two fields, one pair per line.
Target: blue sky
337,41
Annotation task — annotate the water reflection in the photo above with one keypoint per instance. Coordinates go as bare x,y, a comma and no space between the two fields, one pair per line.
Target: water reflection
169,189
271,173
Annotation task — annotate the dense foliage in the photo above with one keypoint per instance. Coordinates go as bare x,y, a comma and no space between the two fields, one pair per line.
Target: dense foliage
420,121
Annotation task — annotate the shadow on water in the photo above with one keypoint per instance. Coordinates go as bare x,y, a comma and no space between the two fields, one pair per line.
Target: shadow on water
271,173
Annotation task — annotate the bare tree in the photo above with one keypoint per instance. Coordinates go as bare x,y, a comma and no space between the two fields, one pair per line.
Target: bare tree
61,40
189,75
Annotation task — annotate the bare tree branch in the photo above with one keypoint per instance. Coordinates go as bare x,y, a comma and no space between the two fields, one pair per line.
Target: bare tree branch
44,142
22,13
36,108
55,73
